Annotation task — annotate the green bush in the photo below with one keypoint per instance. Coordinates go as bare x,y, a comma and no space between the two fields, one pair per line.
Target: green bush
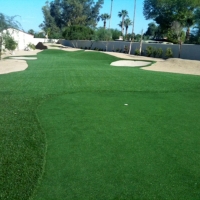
31,46
78,33
159,52
169,53
115,34
149,51
9,42
154,52
137,52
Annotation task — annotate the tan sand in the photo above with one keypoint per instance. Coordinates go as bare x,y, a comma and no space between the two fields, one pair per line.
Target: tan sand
176,65
8,66
173,65
129,63
15,65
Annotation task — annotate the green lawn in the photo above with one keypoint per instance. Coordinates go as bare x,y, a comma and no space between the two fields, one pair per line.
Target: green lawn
65,132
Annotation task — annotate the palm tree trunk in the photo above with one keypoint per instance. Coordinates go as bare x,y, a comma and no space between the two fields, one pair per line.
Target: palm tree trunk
126,31
188,33
104,24
122,26
110,12
132,28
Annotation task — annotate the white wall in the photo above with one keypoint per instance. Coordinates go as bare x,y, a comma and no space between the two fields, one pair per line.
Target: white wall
188,51
23,39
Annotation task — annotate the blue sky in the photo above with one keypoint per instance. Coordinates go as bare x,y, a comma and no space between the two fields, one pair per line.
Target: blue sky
30,12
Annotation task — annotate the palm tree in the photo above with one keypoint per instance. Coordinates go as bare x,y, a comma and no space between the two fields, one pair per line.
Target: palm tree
123,14
127,23
104,17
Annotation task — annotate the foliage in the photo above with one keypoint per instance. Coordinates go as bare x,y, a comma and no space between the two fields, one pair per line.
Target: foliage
115,34
137,37
104,17
41,35
149,51
164,12
137,52
78,33
31,31
169,53
61,13
49,25
102,34
151,30
5,23
174,38
31,46
127,23
123,14
159,52
9,42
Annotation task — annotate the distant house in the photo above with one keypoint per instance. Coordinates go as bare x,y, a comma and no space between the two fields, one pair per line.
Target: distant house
22,38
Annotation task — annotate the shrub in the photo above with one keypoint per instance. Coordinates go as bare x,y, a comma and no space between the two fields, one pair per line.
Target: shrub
31,46
169,53
117,50
115,34
149,51
137,52
9,42
154,52
159,53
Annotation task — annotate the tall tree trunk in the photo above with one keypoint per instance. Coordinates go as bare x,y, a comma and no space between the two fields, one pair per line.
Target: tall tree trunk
104,24
126,31
179,51
122,26
188,34
141,42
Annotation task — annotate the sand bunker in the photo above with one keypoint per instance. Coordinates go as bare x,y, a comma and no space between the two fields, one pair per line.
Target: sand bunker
8,66
176,65
129,63
24,58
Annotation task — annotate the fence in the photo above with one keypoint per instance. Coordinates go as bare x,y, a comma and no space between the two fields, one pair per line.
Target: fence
188,51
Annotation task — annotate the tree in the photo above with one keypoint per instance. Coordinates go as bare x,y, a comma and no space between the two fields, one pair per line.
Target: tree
9,42
5,23
31,31
103,35
78,33
151,30
123,14
115,34
49,25
60,14
164,12
104,17
127,23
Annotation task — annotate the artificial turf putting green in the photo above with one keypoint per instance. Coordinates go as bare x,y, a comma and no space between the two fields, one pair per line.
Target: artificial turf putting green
66,133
